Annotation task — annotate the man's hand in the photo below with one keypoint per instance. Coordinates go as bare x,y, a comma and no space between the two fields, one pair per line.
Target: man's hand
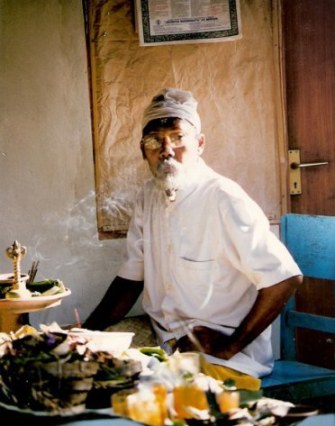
206,340
268,305
116,303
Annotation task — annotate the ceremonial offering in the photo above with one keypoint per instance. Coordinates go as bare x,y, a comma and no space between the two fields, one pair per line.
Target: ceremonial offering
22,286
21,294
148,404
102,341
54,370
229,399
45,372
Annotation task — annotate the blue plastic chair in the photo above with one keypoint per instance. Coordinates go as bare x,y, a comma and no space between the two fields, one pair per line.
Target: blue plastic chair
311,241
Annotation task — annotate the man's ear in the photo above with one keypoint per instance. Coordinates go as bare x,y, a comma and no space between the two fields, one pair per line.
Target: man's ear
201,143
143,152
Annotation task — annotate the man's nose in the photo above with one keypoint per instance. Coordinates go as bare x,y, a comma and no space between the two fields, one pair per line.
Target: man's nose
166,149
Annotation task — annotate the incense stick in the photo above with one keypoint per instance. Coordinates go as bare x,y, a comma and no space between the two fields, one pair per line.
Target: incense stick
76,315
33,271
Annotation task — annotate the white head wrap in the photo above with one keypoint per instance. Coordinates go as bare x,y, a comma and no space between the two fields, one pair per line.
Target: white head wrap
173,103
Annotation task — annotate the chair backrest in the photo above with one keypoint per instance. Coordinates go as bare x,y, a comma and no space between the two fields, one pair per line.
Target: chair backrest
311,241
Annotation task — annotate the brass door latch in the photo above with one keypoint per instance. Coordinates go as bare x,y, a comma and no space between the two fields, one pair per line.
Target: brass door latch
295,170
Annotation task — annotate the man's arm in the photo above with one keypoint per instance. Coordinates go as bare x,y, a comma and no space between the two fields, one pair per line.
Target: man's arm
116,303
268,305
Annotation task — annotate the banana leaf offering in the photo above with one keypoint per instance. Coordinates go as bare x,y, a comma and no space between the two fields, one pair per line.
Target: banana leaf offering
56,371
46,287
40,288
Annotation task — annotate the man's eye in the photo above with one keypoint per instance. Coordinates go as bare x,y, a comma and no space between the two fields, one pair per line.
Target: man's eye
178,137
151,142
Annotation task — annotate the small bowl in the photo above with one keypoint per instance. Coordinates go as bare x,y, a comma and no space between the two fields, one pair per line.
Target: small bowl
106,341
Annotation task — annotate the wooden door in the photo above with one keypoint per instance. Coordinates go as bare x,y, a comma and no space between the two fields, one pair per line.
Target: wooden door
309,65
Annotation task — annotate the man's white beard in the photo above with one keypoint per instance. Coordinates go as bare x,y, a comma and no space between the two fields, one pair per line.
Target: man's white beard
170,176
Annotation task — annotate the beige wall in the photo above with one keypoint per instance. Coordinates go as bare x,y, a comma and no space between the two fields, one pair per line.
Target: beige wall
46,151
46,160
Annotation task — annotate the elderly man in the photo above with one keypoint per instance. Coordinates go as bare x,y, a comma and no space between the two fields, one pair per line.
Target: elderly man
200,249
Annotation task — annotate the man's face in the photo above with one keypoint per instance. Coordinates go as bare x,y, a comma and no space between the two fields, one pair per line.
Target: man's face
171,151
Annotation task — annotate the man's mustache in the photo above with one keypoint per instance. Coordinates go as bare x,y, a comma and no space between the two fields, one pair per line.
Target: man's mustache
168,166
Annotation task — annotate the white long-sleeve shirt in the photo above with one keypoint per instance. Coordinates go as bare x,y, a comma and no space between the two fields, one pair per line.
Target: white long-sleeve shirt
203,257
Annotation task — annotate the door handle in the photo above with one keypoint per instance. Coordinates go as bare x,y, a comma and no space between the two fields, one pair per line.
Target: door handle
295,170
301,165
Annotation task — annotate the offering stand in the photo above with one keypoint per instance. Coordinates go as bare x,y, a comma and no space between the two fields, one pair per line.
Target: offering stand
19,301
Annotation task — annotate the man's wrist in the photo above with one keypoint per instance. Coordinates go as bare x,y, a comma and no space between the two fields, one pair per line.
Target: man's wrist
228,350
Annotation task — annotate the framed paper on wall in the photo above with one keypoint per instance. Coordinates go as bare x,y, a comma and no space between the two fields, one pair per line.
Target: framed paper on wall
187,21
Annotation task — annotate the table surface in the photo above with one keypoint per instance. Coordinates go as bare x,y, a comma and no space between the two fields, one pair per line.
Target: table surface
100,418
320,420
9,417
